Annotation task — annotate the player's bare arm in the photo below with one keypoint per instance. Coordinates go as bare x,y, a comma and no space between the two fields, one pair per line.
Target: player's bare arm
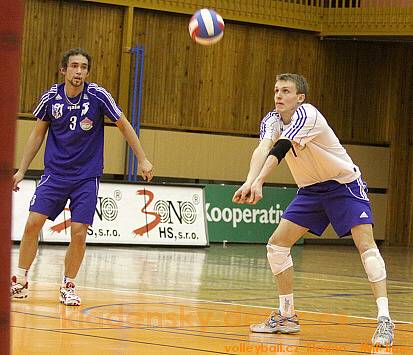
277,153
128,132
257,161
30,150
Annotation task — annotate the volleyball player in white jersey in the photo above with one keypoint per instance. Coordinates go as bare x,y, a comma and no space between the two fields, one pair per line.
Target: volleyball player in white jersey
330,191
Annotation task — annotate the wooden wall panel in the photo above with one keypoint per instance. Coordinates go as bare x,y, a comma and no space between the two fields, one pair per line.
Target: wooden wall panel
226,87
353,94
328,18
333,87
51,27
223,88
40,60
373,73
400,214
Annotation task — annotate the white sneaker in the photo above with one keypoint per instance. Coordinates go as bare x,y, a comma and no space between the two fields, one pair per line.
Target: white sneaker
17,289
384,334
276,323
68,295
270,325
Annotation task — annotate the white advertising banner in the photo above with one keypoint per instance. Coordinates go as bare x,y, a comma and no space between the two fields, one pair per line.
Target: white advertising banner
20,207
141,214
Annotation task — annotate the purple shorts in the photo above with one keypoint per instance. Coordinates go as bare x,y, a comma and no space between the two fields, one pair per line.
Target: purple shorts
52,194
343,205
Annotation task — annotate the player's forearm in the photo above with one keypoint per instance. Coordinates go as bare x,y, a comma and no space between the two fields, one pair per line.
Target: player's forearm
133,141
269,165
30,150
257,161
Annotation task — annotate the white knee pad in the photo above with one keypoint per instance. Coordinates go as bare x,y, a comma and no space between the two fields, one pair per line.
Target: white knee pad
279,258
374,265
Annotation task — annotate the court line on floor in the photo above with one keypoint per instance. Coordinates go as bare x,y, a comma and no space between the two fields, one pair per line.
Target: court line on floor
124,340
224,336
315,322
230,336
145,327
352,282
60,318
215,302
318,295
179,329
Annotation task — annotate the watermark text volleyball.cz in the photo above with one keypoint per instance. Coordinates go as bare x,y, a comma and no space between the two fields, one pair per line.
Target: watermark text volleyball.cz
310,348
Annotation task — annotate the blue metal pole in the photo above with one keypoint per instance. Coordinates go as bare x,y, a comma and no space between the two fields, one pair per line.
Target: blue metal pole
136,108
131,174
142,51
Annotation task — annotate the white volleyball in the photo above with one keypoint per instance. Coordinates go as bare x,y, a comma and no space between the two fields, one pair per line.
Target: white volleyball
206,27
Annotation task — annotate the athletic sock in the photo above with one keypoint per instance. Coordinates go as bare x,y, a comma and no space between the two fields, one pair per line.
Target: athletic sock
66,280
287,305
21,276
383,307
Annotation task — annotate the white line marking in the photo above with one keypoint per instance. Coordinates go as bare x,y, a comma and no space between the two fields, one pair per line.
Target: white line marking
208,301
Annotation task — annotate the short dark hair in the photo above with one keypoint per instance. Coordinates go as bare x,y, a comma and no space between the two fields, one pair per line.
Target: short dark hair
75,51
300,82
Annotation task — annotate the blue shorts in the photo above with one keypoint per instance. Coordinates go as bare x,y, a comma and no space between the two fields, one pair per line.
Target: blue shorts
52,194
343,205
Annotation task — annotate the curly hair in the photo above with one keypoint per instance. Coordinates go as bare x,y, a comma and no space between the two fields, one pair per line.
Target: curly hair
75,51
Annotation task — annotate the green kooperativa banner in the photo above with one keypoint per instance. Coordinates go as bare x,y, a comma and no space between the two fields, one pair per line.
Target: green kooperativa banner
244,223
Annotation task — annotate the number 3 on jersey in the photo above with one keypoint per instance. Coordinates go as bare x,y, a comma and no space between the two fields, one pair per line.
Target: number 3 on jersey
72,124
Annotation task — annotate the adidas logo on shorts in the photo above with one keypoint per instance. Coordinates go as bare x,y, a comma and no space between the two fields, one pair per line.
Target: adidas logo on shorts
364,215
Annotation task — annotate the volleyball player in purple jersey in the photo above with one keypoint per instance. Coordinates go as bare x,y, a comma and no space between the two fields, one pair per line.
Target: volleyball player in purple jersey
330,191
73,115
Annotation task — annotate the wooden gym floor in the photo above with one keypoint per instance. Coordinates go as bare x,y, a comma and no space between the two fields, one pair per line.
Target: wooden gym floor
148,300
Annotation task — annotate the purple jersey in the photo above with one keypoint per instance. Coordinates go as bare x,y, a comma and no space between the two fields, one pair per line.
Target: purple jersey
74,147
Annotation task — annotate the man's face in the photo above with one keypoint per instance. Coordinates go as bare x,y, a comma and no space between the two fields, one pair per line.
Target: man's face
286,98
77,70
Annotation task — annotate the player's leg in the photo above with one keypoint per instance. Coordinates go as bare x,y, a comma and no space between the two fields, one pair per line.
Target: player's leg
83,200
30,239
73,260
281,242
372,261
376,272
349,210
27,253
48,201
76,250
305,213
278,253
279,257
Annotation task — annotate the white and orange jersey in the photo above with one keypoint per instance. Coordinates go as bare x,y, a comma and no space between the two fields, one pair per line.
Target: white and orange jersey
317,154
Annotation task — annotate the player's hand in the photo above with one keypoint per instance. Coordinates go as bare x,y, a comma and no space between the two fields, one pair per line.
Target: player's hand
16,180
256,192
146,168
242,194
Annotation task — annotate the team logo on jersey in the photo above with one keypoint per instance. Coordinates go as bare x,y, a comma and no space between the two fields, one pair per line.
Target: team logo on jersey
57,110
85,108
33,200
86,124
